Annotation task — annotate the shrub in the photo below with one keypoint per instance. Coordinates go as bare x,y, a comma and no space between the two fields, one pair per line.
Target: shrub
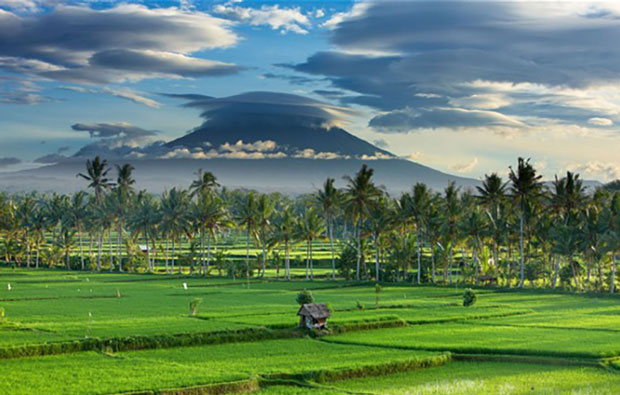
304,297
193,306
469,297
359,305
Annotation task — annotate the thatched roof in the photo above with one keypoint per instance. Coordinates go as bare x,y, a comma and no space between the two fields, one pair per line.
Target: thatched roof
317,311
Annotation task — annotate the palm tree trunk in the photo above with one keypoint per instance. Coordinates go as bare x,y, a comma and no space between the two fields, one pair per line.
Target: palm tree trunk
202,250
111,248
521,258
556,272
204,269
173,247
148,249
287,262
247,256
612,284
359,248
433,264
475,257
307,259
377,258
167,250
99,251
450,257
264,253
36,259
419,258
79,235
120,246
311,263
331,245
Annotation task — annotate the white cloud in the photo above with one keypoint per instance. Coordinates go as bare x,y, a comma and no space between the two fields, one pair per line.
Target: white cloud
357,10
465,167
600,121
283,19
133,96
309,153
607,171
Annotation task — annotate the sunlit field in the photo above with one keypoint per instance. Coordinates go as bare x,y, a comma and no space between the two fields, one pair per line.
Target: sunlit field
111,333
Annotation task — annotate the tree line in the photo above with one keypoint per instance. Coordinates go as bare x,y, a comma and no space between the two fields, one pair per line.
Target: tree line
513,232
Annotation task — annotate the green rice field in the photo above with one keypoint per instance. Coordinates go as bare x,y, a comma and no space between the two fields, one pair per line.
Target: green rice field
64,332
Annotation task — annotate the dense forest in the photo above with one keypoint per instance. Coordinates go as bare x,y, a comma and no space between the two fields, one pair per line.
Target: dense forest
515,232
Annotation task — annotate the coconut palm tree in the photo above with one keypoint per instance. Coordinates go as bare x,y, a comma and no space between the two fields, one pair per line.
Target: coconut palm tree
247,218
360,193
451,211
175,216
328,200
144,219
380,221
525,186
204,184
420,200
310,228
264,212
474,226
96,172
211,216
78,215
285,227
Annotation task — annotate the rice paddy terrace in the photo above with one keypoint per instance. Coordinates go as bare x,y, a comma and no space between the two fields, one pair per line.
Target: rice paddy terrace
67,332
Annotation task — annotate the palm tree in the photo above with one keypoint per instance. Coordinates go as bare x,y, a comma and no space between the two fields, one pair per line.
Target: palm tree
144,219
211,216
361,192
247,218
492,193
285,233
451,215
264,211
96,172
420,200
380,221
204,184
474,226
175,215
328,200
310,228
78,214
525,187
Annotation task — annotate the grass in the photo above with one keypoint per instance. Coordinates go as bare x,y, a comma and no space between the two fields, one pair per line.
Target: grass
133,332
92,372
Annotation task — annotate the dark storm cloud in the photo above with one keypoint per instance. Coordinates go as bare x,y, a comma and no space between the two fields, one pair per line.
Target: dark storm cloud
422,54
126,42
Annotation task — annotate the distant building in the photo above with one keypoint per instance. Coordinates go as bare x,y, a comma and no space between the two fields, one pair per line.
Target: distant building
313,315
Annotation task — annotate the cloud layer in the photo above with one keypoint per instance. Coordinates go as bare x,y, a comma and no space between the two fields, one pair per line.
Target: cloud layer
128,42
505,66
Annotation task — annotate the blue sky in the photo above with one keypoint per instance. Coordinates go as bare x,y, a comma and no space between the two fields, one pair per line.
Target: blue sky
462,86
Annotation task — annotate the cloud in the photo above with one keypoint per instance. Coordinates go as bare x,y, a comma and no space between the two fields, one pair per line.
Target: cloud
133,96
465,167
440,117
127,42
600,121
519,64
309,153
15,90
112,130
415,156
381,143
596,169
50,158
9,161
283,19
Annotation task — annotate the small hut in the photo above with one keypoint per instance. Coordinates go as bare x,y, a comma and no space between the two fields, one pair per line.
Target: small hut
313,315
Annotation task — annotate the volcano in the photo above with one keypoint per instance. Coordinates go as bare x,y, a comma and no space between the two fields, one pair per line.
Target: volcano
259,140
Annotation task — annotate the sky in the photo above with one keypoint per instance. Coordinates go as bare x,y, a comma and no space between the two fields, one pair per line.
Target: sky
464,87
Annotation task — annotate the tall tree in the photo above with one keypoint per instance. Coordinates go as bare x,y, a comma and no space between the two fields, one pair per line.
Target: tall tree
328,199
360,193
247,219
525,186
96,172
